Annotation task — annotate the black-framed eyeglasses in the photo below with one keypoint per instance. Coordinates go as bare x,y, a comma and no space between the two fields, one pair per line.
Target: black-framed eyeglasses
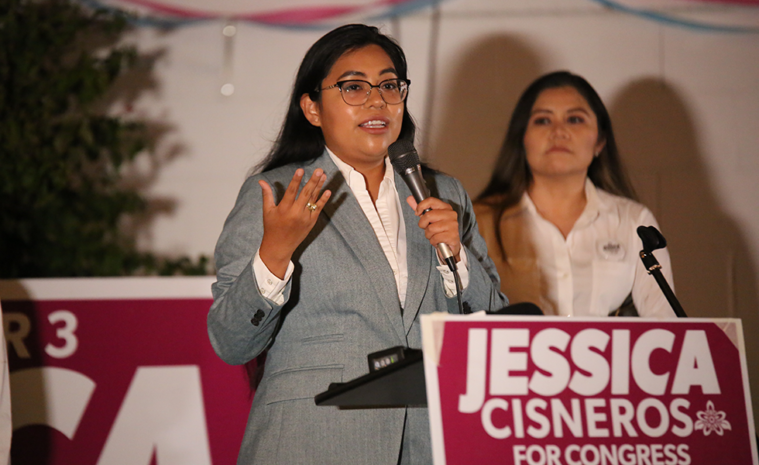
356,92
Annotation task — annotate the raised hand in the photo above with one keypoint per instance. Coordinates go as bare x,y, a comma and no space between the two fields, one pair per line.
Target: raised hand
287,224
440,224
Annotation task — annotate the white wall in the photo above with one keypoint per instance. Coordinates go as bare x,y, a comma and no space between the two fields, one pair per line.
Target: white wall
685,105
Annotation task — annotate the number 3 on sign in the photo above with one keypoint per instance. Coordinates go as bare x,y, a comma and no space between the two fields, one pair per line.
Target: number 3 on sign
65,332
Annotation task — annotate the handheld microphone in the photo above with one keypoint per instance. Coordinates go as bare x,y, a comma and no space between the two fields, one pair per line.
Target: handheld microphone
406,163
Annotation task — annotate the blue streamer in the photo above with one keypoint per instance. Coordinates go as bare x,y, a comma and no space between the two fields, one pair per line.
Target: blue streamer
673,21
142,21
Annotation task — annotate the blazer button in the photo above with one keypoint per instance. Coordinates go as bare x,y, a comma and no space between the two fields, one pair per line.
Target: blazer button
256,320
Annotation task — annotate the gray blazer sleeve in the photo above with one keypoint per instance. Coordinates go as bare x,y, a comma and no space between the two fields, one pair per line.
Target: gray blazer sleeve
241,322
483,291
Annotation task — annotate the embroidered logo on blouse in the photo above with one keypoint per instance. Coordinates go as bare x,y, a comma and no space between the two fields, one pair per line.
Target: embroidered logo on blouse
609,249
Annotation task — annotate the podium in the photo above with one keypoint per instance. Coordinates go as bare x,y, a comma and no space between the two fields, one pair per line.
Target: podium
521,390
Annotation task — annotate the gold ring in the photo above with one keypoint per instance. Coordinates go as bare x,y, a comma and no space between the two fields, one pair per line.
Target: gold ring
311,206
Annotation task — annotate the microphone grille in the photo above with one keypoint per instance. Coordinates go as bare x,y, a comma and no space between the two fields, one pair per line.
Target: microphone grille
403,155
651,237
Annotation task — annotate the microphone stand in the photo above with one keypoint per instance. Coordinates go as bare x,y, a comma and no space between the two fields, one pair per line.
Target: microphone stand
652,240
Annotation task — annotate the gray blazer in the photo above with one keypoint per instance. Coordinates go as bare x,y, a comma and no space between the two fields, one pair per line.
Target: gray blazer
340,304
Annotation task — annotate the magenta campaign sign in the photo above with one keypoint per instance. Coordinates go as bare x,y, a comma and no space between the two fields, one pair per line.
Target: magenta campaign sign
119,371
613,391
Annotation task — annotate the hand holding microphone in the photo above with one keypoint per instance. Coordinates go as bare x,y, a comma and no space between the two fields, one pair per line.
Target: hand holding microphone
437,218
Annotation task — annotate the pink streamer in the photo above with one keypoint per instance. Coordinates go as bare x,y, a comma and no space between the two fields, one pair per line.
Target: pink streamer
287,16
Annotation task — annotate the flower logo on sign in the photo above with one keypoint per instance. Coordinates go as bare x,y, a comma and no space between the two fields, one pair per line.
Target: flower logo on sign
712,420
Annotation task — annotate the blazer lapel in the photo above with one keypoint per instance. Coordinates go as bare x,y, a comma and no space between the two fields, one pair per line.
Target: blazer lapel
419,258
345,214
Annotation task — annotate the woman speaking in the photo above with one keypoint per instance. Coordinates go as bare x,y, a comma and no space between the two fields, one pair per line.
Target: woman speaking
324,259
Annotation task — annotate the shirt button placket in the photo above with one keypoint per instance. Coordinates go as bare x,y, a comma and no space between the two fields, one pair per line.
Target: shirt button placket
564,278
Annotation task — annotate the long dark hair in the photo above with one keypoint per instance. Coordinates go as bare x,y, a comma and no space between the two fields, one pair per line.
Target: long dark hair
298,140
512,176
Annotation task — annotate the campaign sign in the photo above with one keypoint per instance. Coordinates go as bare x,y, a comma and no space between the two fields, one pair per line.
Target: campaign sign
119,371
574,391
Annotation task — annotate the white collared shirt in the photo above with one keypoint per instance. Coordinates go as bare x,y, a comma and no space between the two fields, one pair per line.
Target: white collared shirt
389,227
386,220
597,265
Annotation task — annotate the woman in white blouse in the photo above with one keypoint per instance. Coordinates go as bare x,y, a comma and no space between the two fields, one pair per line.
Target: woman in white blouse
559,214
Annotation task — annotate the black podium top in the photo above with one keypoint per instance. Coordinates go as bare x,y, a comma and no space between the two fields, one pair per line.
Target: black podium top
397,385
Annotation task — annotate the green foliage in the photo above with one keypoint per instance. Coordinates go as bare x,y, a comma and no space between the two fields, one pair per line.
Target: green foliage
62,199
